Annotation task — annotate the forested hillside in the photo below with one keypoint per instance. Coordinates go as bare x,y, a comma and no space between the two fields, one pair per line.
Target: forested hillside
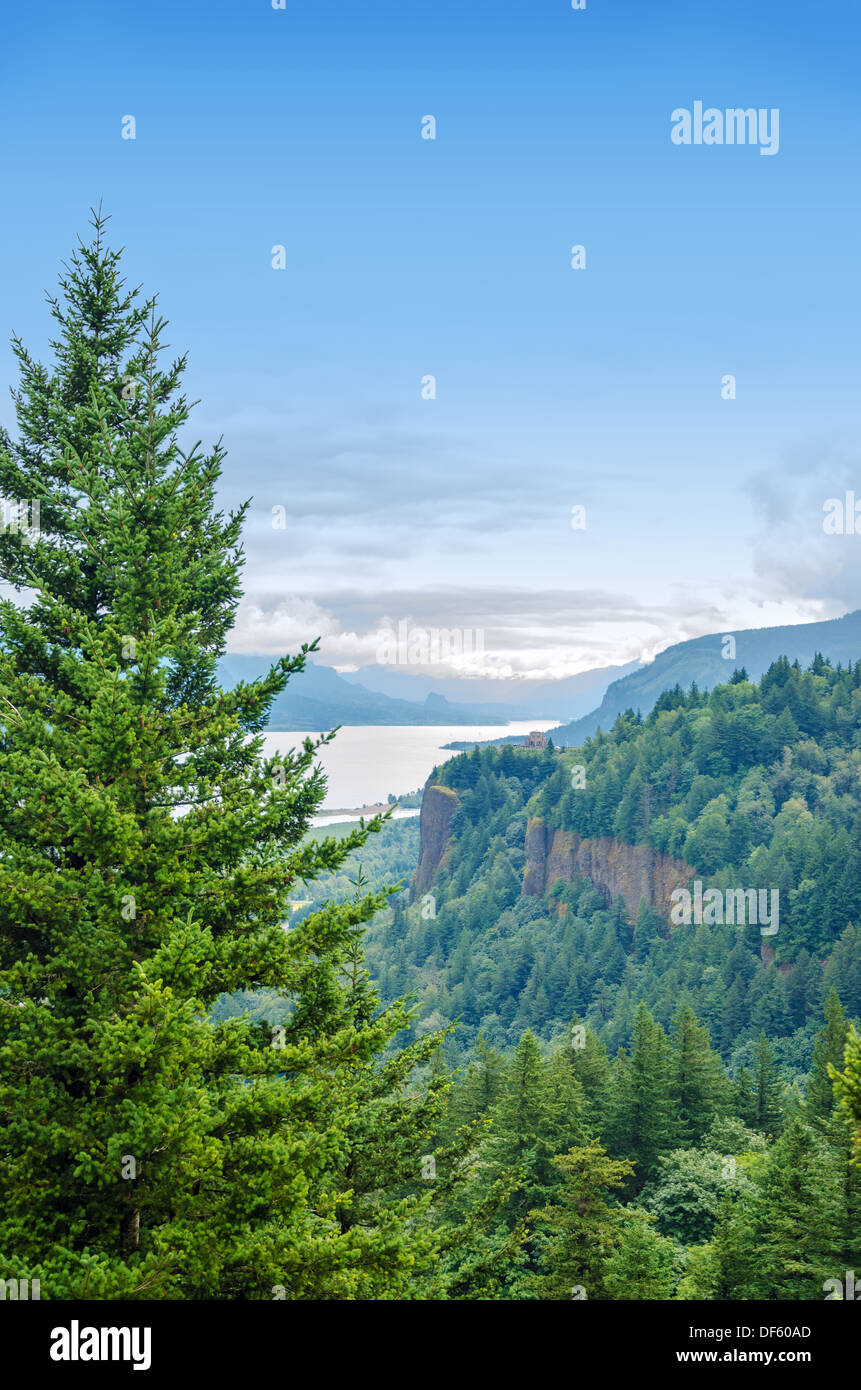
752,786
648,1111
667,1093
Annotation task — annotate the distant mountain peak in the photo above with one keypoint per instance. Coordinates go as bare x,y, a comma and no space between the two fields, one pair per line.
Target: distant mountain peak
711,660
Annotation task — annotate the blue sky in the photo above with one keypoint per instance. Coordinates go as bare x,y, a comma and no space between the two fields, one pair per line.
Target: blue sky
405,257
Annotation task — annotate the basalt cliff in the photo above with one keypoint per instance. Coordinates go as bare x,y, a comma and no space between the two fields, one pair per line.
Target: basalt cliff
438,807
618,870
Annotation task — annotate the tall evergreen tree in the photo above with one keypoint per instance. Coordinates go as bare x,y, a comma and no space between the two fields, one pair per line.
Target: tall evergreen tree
591,1067
480,1088
699,1088
767,1089
744,1098
649,1119
583,1228
728,1267
538,1114
828,1052
848,1087
643,1266
147,856
797,1225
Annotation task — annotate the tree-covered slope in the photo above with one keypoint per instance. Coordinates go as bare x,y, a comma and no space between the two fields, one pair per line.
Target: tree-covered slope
753,786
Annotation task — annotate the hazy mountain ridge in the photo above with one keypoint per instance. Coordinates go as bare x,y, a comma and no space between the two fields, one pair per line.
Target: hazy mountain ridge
566,698
701,660
319,698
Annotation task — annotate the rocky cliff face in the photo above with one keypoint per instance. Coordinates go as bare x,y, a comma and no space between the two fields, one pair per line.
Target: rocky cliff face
629,872
438,807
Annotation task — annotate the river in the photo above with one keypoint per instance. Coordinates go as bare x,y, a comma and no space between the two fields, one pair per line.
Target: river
366,763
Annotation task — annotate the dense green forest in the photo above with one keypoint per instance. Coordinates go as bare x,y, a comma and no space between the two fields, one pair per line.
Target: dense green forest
237,1063
752,785
652,1175
684,1140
